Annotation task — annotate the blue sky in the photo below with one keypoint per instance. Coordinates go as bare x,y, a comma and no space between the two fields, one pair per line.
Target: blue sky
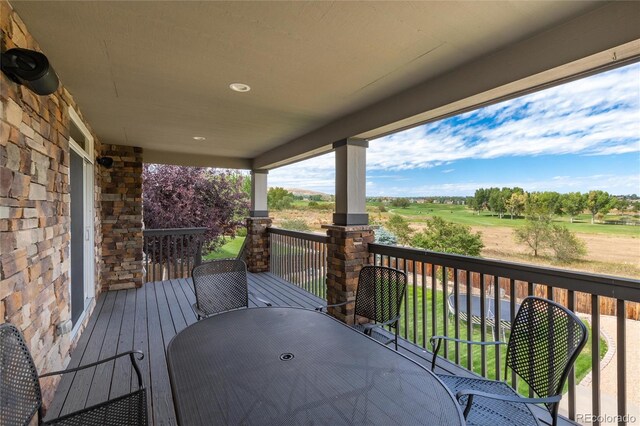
576,137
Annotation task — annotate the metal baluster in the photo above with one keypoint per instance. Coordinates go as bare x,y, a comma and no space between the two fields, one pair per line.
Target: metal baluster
531,289
483,326
469,323
406,302
145,243
182,256
161,257
456,310
571,302
445,309
434,294
424,305
595,358
415,302
621,351
497,303
512,312
175,257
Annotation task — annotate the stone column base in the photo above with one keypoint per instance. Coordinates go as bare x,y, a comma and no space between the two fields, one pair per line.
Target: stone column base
347,253
256,250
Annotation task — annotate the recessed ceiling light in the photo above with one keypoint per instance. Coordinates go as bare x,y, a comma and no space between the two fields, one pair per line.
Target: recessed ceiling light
240,87
199,138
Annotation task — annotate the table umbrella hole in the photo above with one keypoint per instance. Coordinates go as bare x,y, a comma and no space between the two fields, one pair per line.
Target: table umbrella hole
286,356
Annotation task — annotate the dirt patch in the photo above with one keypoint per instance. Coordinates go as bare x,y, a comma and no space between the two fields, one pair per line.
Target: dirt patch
606,254
600,247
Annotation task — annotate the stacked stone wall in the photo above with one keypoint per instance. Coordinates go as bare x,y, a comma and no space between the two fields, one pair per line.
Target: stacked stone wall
257,246
34,210
122,218
347,253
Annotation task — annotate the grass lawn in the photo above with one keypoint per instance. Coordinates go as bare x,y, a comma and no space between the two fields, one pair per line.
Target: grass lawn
229,249
582,365
461,214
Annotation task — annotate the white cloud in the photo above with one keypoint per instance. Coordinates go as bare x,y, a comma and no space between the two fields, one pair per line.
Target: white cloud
599,115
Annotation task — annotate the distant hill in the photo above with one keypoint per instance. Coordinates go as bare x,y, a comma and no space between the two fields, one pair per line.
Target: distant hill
306,192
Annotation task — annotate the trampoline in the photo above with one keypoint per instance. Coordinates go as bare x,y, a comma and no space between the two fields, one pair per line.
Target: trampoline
490,319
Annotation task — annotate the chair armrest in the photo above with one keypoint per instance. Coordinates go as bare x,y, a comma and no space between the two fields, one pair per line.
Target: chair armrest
509,398
132,356
436,347
320,308
266,302
199,312
370,326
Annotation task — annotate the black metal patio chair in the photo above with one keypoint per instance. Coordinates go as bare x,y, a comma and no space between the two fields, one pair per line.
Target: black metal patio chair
545,341
221,285
21,398
378,298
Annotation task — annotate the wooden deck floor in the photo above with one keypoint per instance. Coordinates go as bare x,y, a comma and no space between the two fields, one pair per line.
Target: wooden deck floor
147,319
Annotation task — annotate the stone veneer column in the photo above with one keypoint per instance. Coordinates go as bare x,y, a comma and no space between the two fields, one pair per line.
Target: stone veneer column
347,253
257,246
122,218
350,234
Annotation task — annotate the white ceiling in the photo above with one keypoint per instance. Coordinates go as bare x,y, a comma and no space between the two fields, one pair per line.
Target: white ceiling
155,74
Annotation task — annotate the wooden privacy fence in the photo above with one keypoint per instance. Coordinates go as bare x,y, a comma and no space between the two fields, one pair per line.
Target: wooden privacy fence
583,304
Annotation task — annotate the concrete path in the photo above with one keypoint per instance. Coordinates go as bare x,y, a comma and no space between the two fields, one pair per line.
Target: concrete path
608,378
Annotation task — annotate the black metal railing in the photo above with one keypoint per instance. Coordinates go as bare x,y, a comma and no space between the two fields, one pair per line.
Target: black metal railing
475,299
300,258
171,253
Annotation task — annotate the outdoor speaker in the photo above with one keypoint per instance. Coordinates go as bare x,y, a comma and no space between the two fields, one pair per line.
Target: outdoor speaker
31,69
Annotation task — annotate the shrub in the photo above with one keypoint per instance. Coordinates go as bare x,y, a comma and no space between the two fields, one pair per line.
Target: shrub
383,236
279,199
295,225
565,245
448,237
400,227
534,233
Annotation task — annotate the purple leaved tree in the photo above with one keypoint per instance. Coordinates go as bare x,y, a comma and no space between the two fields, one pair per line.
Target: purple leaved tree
192,197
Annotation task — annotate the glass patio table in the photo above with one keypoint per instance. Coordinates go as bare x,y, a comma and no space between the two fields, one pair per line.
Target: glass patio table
279,365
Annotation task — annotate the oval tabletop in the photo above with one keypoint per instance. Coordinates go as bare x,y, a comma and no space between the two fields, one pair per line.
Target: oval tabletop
284,366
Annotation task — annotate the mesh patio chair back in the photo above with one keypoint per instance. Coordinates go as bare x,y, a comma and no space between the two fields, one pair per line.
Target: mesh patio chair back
220,285
20,396
545,340
380,293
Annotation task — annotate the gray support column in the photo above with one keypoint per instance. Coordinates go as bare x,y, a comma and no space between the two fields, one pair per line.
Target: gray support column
351,163
259,194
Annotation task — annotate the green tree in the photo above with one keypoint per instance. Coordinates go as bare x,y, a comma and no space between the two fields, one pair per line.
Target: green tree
573,203
565,244
598,202
535,233
448,237
279,198
497,200
400,227
480,200
515,204
400,202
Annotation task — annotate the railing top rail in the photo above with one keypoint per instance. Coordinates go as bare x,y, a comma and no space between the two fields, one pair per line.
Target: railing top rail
173,231
602,285
298,234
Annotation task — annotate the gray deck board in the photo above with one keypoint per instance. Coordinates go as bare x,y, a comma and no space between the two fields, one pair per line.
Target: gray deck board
147,319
